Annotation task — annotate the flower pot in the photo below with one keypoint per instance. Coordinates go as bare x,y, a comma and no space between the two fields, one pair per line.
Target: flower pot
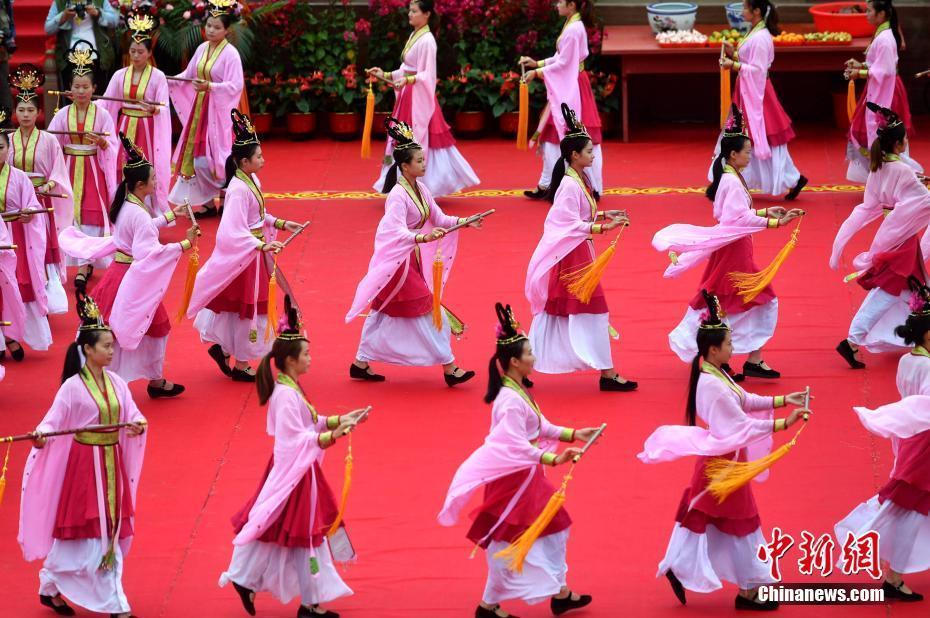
469,124
262,123
301,125
377,128
508,122
344,125
607,122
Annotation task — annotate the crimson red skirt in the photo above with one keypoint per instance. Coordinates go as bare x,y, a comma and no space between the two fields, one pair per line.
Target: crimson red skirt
412,300
778,129
909,487
78,516
95,200
734,257
589,114
736,516
239,296
104,294
497,495
899,105
292,526
144,138
52,251
560,301
890,270
23,276
440,134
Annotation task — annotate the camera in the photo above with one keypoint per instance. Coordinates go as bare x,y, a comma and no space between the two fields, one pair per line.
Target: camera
80,8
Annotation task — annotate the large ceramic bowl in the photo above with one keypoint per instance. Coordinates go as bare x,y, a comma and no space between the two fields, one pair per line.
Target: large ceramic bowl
735,17
665,16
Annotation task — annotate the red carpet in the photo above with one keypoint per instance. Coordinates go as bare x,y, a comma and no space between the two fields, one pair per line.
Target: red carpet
207,450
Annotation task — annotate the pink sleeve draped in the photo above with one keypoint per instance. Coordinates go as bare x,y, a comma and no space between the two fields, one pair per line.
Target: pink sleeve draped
13,310
882,59
560,73
869,210
899,420
567,226
21,195
755,58
45,468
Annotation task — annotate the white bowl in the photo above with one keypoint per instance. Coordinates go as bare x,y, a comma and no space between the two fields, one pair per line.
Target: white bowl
665,16
734,12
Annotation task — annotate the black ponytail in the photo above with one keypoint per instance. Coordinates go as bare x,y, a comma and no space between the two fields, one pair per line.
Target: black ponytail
914,329
73,357
499,364
728,145
238,154
401,156
768,13
567,148
132,177
706,339
281,350
585,8
891,14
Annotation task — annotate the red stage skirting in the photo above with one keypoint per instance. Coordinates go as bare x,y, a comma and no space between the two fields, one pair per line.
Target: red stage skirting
207,450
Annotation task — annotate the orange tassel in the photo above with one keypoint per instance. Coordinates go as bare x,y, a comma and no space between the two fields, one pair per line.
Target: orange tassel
582,283
193,265
346,485
724,96
437,291
244,102
750,285
851,99
369,121
272,314
523,121
6,460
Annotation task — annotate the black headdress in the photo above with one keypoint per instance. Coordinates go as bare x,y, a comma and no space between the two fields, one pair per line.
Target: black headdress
508,329
713,319
401,133
892,125
243,131
91,318
920,298
26,79
290,328
134,155
573,126
735,126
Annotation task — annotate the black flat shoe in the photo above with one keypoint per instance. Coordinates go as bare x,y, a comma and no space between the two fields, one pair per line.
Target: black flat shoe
793,194
452,379
677,587
615,385
241,375
759,370
245,596
208,212
80,282
357,373
596,195
748,604
156,393
527,382
560,606
894,592
736,377
19,354
845,350
307,612
222,361
61,610
538,194
483,612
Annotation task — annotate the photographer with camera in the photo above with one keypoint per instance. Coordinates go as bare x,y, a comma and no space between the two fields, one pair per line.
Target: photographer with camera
7,47
92,21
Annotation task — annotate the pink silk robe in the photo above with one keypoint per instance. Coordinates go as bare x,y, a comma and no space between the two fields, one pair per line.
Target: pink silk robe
560,73
20,195
419,61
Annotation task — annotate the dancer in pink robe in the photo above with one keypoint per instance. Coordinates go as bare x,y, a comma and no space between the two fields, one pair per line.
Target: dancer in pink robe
230,296
771,170
28,233
897,251
90,146
39,155
568,334
510,466
203,105
285,542
883,87
567,83
131,292
12,310
716,541
727,247
899,512
416,104
79,491
401,328
148,126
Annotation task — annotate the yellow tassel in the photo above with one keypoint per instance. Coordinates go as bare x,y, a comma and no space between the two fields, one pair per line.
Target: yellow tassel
724,96
193,265
346,484
6,460
582,282
523,121
369,121
851,99
726,476
272,302
515,553
750,285
437,291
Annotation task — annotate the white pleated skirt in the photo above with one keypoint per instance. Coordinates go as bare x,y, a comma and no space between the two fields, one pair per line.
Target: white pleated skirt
873,325
750,330
544,571
702,562
146,362
36,334
904,535
563,344
71,568
773,176
447,172
232,333
57,297
199,190
405,341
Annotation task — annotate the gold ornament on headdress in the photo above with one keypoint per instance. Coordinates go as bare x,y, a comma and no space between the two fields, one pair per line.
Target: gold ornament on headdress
573,126
3,116
401,133
141,27
507,314
81,60
221,7
243,131
90,315
27,79
134,156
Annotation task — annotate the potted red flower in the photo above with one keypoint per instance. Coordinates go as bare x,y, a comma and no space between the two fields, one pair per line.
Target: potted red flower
343,96
300,100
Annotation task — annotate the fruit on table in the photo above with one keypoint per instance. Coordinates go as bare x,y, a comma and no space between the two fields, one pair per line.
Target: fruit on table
826,38
789,38
681,37
732,36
